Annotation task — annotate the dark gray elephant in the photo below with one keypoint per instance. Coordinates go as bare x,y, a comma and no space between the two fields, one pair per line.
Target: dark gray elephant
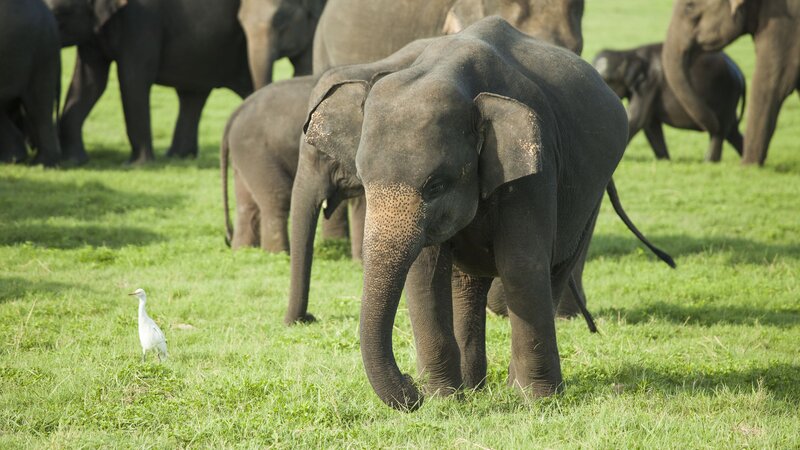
29,81
276,29
637,75
262,139
151,41
463,155
710,25
354,32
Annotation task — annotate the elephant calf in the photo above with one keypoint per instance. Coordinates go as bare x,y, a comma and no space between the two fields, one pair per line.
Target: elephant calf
637,74
262,138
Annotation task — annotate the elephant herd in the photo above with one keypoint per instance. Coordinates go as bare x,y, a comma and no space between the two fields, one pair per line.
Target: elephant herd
472,143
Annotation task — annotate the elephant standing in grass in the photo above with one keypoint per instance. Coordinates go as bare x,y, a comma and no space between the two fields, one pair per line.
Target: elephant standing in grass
30,81
709,25
193,46
490,153
637,74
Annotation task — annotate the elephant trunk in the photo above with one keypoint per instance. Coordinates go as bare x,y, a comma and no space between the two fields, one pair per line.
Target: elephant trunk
261,54
308,193
678,56
392,240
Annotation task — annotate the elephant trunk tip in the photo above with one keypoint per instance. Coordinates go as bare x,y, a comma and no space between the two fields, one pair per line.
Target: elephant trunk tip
410,398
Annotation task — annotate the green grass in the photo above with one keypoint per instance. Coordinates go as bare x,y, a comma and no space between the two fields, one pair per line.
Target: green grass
702,356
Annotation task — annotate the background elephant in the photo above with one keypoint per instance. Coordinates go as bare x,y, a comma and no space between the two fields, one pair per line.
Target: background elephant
29,81
276,29
710,25
432,198
354,32
637,75
262,138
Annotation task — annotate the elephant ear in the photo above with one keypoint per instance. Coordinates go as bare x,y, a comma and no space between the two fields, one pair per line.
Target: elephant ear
105,9
635,72
735,5
511,141
334,122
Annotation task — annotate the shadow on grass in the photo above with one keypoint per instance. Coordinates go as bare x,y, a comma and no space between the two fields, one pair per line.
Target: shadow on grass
12,288
742,250
69,237
782,380
704,315
114,159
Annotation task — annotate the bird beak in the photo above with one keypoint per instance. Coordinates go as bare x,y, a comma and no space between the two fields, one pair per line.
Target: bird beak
132,293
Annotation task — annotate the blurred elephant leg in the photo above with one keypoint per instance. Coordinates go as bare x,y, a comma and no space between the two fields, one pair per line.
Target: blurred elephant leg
430,306
358,209
335,227
469,322
568,304
302,63
12,141
89,80
714,153
655,136
736,140
246,231
184,139
273,204
496,298
135,90
39,103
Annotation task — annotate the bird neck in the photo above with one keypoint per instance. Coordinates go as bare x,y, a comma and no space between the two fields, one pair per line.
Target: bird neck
142,312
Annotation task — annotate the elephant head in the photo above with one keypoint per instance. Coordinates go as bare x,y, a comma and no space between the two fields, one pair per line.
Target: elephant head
424,166
621,70
699,25
556,21
326,171
276,29
78,20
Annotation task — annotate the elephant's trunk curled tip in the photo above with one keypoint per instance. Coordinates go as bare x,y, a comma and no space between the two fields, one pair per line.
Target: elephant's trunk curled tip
392,241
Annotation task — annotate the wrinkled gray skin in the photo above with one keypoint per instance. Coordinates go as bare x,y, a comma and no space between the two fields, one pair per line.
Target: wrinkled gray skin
710,25
470,157
323,178
29,81
262,138
637,75
277,29
193,46
354,32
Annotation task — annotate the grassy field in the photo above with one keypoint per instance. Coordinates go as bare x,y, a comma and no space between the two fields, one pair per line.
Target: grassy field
699,357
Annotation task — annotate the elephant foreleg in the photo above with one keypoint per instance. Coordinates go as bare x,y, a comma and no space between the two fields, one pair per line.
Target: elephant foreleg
358,209
184,139
429,298
246,231
89,80
655,136
469,322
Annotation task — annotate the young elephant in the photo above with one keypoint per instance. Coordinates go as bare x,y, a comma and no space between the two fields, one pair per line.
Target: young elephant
637,74
29,81
491,153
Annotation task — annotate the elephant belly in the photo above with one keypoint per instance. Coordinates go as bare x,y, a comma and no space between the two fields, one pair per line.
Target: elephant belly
670,112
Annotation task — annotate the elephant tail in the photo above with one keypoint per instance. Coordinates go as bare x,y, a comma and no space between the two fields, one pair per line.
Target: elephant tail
737,72
581,301
224,151
611,189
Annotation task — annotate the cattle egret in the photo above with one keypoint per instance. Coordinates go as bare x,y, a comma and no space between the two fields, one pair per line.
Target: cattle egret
150,336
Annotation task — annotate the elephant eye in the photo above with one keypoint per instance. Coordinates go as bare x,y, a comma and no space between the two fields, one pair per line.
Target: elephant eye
433,188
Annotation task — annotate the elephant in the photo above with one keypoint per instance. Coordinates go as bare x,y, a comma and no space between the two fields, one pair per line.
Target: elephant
488,157
637,75
710,25
277,29
355,32
176,52
262,139
29,82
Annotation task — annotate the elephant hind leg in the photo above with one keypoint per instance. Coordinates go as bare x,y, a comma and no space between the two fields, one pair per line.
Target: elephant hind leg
736,139
655,136
246,232
12,142
274,224
184,138
714,153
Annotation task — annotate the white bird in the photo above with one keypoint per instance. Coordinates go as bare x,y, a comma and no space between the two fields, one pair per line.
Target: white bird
150,336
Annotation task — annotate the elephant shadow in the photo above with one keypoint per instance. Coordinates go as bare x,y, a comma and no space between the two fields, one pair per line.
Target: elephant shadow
742,251
27,214
704,315
780,380
113,159
14,288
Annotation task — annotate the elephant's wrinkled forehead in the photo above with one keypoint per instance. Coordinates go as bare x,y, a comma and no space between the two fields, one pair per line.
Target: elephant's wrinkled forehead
410,131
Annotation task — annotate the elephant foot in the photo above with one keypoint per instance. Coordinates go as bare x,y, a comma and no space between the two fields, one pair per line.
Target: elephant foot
46,161
307,318
73,155
182,153
140,159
